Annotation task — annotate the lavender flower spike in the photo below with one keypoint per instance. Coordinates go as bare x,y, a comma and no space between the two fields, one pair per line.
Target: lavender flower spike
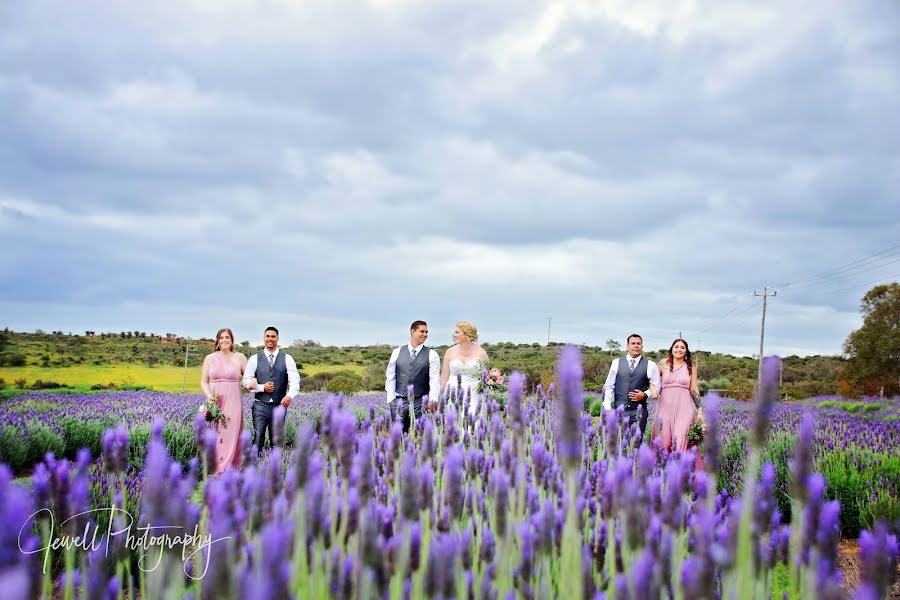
801,463
767,395
278,426
712,439
878,554
571,398
514,405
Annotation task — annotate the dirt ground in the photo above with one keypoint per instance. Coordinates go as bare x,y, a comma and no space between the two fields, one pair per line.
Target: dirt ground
848,562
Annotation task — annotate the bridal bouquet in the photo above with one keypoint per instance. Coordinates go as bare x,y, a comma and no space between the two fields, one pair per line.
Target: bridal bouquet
696,430
213,413
493,383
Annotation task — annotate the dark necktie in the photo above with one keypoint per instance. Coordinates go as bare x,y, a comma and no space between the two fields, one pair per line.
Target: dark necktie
271,361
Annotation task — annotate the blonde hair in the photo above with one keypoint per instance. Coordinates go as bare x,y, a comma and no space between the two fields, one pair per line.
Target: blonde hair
470,330
219,334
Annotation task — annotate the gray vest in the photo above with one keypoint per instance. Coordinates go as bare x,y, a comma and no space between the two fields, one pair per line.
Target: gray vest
412,372
627,381
277,374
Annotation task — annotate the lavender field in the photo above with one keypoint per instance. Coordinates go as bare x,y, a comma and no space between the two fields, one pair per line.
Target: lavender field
537,500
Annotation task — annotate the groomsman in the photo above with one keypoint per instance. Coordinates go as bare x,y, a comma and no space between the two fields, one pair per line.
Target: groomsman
629,380
276,382
413,364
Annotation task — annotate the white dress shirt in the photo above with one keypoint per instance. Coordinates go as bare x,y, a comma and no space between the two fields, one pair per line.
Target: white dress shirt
434,372
289,364
609,388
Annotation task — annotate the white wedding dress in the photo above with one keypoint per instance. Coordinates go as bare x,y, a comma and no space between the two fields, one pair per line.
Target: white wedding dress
464,375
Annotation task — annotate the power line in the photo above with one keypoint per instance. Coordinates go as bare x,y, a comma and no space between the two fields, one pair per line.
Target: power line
800,287
853,287
894,250
728,316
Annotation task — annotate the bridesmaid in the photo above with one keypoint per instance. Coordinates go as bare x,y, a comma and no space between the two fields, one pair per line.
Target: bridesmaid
221,379
678,398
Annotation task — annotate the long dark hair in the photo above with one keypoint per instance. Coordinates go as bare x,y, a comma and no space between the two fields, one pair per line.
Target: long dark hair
687,356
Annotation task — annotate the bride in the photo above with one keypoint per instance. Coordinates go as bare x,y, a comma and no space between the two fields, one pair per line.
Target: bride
462,364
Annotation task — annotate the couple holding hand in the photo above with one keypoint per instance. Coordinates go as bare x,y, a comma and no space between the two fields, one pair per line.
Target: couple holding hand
416,365
226,370
633,379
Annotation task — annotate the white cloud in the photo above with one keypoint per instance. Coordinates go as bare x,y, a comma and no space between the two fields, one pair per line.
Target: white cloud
618,165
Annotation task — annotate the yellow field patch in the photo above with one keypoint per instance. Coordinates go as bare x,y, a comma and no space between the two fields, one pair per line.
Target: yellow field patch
162,378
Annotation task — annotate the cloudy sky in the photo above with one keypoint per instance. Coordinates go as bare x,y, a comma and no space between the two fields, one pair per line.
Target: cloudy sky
340,168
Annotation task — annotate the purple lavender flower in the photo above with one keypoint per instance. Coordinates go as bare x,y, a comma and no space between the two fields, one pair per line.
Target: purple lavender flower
801,462
278,415
15,566
878,553
426,485
712,438
500,492
453,481
766,398
248,456
362,477
828,535
305,445
571,404
486,552
209,440
409,488
343,439
516,386
115,449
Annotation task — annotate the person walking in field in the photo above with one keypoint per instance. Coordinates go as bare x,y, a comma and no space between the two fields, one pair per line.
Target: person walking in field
272,376
631,381
412,364
220,380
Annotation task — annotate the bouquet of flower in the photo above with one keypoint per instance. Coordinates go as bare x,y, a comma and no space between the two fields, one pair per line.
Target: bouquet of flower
493,383
696,430
213,413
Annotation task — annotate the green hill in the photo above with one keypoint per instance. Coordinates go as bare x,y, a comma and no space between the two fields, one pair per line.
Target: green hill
136,358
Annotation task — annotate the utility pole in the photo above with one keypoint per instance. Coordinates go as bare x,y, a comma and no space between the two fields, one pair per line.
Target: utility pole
548,329
762,329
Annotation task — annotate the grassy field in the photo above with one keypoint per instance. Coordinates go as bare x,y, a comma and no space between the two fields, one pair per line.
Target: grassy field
162,378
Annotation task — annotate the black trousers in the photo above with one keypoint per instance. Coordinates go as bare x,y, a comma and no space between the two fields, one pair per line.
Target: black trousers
262,422
638,415
404,414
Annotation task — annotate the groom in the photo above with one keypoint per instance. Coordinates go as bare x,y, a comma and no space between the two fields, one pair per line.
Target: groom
628,383
416,365
277,382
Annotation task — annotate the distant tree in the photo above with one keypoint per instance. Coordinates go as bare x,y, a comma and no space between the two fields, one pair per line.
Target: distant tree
613,346
873,350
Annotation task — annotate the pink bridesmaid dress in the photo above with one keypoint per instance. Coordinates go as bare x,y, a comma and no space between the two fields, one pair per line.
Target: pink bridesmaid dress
225,381
675,412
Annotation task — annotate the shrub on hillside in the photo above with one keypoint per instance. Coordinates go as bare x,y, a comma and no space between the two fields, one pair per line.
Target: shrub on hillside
12,451
41,440
45,385
12,360
344,383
